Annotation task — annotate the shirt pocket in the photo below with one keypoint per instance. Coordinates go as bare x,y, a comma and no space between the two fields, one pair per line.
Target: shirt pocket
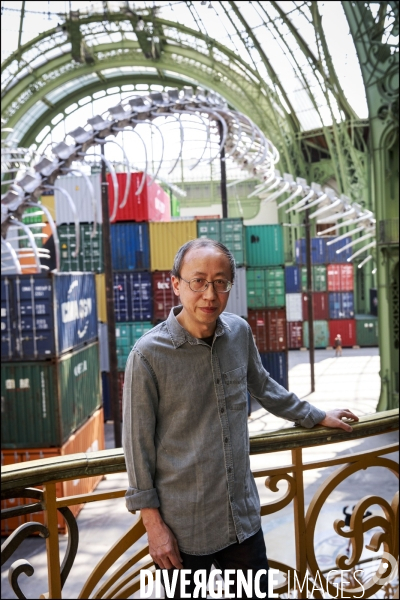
235,384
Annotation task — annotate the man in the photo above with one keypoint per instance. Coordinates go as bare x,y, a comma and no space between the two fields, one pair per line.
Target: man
338,345
185,431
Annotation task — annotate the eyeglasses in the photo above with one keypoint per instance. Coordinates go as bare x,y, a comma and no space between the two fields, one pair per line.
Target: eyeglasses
198,284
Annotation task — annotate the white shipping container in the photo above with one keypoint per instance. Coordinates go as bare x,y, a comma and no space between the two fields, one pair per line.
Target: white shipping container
77,187
294,307
237,303
103,346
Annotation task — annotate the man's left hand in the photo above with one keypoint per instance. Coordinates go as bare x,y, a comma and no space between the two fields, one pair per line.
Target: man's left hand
334,418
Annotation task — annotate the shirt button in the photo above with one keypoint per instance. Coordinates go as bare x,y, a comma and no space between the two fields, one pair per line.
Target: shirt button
226,440
231,498
229,469
222,410
217,380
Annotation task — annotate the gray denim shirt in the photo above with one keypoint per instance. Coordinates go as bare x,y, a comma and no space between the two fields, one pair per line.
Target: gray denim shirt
185,433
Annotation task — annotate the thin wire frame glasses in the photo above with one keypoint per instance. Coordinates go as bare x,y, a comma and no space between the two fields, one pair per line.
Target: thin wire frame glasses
198,284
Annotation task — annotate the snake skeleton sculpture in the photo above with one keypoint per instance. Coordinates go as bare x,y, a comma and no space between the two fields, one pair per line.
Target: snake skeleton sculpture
244,144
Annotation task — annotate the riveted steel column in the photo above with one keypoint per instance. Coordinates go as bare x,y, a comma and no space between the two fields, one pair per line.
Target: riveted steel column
109,285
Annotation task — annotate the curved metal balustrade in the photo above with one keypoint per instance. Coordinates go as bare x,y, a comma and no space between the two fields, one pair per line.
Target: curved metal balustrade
108,581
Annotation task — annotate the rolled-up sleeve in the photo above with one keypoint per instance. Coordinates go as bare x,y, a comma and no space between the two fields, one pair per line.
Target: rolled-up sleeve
140,403
274,397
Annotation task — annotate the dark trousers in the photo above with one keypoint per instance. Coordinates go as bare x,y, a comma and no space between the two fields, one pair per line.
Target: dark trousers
250,554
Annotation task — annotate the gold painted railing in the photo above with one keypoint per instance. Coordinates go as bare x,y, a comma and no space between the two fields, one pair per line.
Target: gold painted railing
102,582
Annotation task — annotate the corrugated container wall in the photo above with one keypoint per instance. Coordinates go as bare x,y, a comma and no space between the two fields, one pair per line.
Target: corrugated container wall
166,239
127,334
228,231
320,306
106,394
152,204
163,295
332,257
346,328
78,189
341,305
265,287
366,330
294,307
100,281
130,248
295,335
47,314
45,402
264,245
321,334
269,329
237,303
90,255
318,251
132,296
318,278
276,363
340,278
89,438
292,279
103,347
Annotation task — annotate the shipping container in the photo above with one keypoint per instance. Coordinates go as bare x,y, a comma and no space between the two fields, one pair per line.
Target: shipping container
166,239
106,394
30,217
103,346
346,328
318,278
294,307
43,403
265,287
228,231
49,314
269,329
320,306
331,249
48,201
88,438
373,301
295,335
78,189
292,279
237,303
133,299
366,330
127,334
264,245
130,249
69,258
7,336
340,278
341,305
91,248
152,204
321,334
318,251
164,296
100,281
276,363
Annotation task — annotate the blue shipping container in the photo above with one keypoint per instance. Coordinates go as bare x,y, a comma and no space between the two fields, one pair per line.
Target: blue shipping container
292,280
332,257
105,383
318,251
130,246
341,305
49,314
276,363
6,319
133,300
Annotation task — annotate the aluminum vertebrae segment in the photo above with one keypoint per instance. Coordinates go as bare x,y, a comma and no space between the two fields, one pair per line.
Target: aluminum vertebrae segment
45,402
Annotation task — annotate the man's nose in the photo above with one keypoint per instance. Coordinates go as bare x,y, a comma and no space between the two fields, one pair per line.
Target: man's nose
209,292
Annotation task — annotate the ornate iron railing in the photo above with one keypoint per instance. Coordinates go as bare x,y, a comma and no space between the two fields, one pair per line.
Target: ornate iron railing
19,479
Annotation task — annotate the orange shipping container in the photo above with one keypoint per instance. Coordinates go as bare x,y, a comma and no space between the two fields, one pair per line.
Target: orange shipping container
88,438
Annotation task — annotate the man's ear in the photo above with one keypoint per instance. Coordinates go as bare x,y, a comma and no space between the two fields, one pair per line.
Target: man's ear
175,284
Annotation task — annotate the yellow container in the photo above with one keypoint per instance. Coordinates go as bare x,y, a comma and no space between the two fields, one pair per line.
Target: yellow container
48,202
100,279
166,239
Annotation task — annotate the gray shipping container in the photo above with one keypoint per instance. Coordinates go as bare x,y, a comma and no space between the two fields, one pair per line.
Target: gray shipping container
103,346
237,303
77,188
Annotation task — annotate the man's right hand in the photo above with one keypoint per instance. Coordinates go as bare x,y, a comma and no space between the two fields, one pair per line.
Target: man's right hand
163,547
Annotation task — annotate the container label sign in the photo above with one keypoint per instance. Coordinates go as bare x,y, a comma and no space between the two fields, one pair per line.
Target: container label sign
163,286
10,384
80,368
74,309
160,206
24,384
43,386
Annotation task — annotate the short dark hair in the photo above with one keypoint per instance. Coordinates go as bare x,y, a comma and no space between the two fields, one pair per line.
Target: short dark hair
202,243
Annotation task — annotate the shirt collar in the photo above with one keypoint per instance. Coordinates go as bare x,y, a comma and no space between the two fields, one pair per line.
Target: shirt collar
179,335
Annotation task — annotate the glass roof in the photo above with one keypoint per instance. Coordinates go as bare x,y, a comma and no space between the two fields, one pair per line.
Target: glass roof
278,41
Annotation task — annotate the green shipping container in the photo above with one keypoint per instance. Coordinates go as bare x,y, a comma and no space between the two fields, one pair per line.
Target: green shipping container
366,330
90,256
127,334
266,287
43,403
321,334
318,278
264,245
29,218
228,231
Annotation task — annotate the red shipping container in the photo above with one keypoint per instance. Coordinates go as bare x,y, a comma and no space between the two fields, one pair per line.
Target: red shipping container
320,306
295,335
269,329
152,204
163,294
340,278
88,438
346,328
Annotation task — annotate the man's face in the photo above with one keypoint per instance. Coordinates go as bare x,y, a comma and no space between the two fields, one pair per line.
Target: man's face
201,309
